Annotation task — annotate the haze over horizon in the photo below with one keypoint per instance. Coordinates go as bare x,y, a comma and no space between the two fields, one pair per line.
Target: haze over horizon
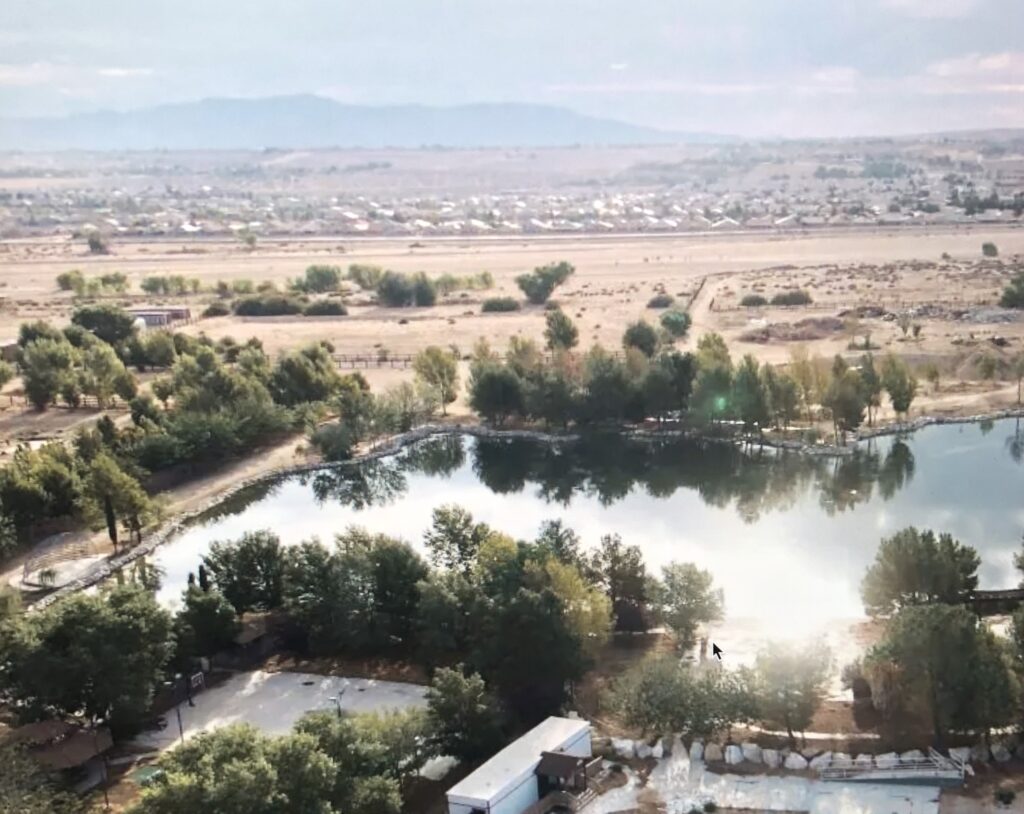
753,69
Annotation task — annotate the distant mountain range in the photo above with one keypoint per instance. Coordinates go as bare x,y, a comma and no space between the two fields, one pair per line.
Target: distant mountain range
296,122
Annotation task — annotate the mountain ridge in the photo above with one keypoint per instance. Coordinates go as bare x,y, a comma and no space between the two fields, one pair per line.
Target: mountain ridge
310,121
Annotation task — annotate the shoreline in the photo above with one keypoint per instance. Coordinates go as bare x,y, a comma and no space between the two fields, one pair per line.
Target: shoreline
398,443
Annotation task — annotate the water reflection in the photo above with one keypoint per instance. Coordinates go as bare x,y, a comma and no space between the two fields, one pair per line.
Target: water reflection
787,535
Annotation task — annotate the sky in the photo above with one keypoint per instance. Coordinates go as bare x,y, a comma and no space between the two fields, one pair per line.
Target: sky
756,68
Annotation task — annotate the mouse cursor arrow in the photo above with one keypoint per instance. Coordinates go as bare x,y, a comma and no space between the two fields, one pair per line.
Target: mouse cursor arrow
716,651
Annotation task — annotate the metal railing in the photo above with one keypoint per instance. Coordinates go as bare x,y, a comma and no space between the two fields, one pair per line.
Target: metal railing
931,765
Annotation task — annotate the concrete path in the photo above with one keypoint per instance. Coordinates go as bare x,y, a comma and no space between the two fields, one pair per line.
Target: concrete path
273,702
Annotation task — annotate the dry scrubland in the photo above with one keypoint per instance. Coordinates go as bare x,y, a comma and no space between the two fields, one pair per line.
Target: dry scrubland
615,278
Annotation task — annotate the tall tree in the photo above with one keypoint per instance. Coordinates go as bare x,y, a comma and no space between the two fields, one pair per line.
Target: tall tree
749,395
248,571
943,665
687,598
914,567
438,369
465,719
454,538
899,383
109,493
790,683
559,331
621,571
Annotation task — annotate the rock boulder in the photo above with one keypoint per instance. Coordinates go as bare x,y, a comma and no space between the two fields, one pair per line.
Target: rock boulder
890,760
696,750
796,762
643,750
624,748
1000,754
771,758
961,753
751,752
733,754
713,753
819,762
979,753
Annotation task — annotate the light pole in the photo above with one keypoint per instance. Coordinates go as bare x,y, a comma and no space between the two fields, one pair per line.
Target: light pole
337,700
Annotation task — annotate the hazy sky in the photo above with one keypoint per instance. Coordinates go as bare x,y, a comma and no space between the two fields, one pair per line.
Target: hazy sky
750,67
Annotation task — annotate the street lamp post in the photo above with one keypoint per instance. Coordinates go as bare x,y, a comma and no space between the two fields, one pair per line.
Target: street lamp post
337,700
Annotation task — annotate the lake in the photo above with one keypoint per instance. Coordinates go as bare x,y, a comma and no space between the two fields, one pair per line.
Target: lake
788,536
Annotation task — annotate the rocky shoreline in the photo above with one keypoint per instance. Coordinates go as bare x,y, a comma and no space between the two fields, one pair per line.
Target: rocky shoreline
398,443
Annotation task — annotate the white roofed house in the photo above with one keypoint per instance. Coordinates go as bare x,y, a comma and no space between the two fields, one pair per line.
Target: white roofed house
546,769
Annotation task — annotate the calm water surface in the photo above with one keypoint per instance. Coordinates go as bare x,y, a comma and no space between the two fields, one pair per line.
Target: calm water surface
787,536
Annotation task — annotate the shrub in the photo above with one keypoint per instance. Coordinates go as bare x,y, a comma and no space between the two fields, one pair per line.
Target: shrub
364,276
499,304
798,297
1004,796
322,278
97,245
641,336
989,249
1013,294
216,309
70,280
267,305
325,308
661,300
677,323
753,301
538,285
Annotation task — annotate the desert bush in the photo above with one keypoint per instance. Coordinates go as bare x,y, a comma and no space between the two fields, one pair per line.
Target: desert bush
216,309
798,297
70,280
753,301
492,304
268,305
677,323
325,308
989,249
661,300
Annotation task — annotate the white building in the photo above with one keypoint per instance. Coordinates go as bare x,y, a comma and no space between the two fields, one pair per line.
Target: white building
514,780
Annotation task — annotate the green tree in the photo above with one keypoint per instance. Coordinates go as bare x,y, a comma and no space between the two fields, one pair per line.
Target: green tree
206,624
25,788
108,323
607,387
871,384
942,665
587,610
104,375
304,376
621,572
101,656
438,369
789,683
110,494
687,598
846,400
539,285
713,384
454,538
915,567
989,249
676,323
749,395
642,336
496,392
559,331
48,366
465,719
899,383
248,571
661,694
237,770
1013,294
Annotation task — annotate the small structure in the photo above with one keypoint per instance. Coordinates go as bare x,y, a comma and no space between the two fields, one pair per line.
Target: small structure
161,317
9,350
547,768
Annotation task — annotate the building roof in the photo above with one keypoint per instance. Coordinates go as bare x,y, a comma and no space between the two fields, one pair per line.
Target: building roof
507,769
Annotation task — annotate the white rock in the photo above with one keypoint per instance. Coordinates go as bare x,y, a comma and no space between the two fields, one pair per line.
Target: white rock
696,750
658,751
733,754
643,750
912,756
821,761
864,761
751,752
979,753
961,753
771,758
842,760
796,762
890,760
623,747
1000,753
713,753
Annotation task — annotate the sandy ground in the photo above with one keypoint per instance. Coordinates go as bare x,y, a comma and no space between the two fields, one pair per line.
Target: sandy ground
273,702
